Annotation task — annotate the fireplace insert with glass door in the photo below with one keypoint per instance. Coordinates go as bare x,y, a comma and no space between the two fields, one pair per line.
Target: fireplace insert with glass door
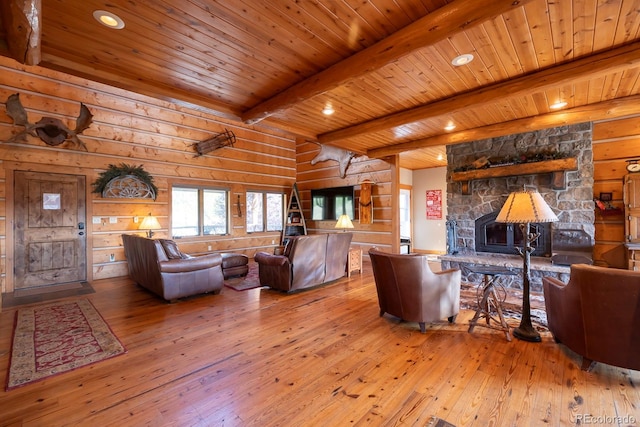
496,237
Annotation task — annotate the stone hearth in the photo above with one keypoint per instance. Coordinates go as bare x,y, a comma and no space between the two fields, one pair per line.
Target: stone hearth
573,204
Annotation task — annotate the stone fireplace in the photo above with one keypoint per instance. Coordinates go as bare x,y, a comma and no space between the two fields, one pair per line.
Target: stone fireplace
473,206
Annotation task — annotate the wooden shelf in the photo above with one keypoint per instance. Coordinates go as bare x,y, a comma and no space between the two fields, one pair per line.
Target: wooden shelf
557,167
295,224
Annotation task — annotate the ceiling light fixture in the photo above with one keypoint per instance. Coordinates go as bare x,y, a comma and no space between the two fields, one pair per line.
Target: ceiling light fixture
450,127
462,59
108,19
328,110
558,105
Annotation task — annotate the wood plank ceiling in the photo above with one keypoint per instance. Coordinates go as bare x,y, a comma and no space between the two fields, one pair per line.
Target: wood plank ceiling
384,66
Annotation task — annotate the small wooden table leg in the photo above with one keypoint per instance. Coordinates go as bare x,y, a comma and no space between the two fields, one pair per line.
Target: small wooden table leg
489,297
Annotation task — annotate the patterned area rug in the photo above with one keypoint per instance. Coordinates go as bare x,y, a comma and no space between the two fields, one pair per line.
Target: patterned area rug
55,338
250,281
511,306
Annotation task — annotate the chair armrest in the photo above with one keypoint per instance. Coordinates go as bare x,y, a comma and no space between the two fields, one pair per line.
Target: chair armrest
191,264
553,282
448,272
264,258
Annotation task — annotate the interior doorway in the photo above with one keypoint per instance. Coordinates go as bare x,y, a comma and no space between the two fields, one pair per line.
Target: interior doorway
49,229
405,219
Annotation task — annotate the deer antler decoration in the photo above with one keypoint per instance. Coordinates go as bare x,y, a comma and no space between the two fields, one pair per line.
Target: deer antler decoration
50,130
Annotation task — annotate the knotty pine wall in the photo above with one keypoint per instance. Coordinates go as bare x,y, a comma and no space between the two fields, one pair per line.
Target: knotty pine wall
384,231
138,130
614,142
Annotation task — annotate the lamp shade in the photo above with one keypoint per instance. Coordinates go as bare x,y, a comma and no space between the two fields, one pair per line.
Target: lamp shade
344,222
150,223
526,207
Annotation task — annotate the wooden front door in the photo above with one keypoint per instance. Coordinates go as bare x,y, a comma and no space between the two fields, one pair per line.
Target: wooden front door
50,235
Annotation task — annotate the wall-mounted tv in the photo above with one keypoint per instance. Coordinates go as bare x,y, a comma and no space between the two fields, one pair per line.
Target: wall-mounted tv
330,203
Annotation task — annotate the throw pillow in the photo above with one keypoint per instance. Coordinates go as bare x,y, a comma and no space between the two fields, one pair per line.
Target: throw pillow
171,249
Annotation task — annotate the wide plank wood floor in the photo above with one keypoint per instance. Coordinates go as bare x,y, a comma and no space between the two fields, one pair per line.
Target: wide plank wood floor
317,358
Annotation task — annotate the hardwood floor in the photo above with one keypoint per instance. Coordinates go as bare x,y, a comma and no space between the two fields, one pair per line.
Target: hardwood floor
320,357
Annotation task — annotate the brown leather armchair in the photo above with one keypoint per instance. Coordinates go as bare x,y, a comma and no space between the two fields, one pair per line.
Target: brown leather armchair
408,289
596,314
159,266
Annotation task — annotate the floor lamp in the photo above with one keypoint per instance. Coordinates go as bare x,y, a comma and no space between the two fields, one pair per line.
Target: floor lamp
523,208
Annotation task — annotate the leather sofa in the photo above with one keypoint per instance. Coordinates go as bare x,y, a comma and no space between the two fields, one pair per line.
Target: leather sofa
596,314
307,261
408,289
159,266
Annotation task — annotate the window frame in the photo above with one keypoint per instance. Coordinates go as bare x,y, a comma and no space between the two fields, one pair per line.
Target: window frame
201,189
265,210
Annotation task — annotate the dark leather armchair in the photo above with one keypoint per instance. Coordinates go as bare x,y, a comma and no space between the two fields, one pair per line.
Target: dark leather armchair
159,266
408,289
596,314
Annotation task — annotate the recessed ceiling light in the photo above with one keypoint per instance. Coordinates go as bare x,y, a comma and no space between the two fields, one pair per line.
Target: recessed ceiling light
462,59
440,157
328,110
108,19
450,127
558,105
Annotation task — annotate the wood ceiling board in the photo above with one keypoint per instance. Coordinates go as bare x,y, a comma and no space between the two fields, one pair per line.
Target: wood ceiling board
228,58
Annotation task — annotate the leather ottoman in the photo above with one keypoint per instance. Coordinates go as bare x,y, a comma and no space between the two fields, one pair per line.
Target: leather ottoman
234,265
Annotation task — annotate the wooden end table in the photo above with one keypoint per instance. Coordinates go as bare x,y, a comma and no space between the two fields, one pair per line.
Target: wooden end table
354,261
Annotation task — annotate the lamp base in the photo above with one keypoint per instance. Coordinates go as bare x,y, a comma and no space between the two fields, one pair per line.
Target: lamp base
526,333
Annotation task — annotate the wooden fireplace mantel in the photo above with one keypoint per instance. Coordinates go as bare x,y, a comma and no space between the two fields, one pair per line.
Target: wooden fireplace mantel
557,168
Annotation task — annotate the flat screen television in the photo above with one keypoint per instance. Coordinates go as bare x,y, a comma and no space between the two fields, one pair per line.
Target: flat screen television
330,203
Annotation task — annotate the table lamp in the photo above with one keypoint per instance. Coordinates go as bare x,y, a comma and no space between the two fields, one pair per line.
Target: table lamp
525,207
150,223
344,222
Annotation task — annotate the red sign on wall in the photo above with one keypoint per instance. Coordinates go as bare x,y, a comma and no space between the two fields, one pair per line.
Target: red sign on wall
434,204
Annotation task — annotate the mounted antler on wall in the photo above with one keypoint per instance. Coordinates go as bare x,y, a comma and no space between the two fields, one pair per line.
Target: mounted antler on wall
50,130
220,140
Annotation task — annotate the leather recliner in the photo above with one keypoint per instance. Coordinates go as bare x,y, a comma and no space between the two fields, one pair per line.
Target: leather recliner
159,266
596,314
307,261
408,289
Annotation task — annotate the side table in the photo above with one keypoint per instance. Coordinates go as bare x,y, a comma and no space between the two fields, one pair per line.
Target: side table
354,261
490,298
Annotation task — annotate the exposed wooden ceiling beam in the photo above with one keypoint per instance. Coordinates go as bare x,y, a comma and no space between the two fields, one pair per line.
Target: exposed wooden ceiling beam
436,26
597,65
615,108
22,20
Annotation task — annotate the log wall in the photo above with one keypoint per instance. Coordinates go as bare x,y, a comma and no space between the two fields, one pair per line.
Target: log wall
384,231
136,130
614,142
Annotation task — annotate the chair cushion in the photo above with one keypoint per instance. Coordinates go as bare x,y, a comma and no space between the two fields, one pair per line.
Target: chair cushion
171,249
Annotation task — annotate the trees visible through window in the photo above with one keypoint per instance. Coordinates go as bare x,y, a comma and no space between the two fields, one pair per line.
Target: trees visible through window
199,211
265,211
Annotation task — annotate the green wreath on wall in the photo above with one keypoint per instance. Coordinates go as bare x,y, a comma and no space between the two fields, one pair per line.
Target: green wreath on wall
125,181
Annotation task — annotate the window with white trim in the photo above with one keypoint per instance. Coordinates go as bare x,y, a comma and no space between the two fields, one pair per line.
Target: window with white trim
265,211
199,211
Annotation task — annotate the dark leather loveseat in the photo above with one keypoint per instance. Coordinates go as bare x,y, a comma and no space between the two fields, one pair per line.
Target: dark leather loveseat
159,266
307,261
